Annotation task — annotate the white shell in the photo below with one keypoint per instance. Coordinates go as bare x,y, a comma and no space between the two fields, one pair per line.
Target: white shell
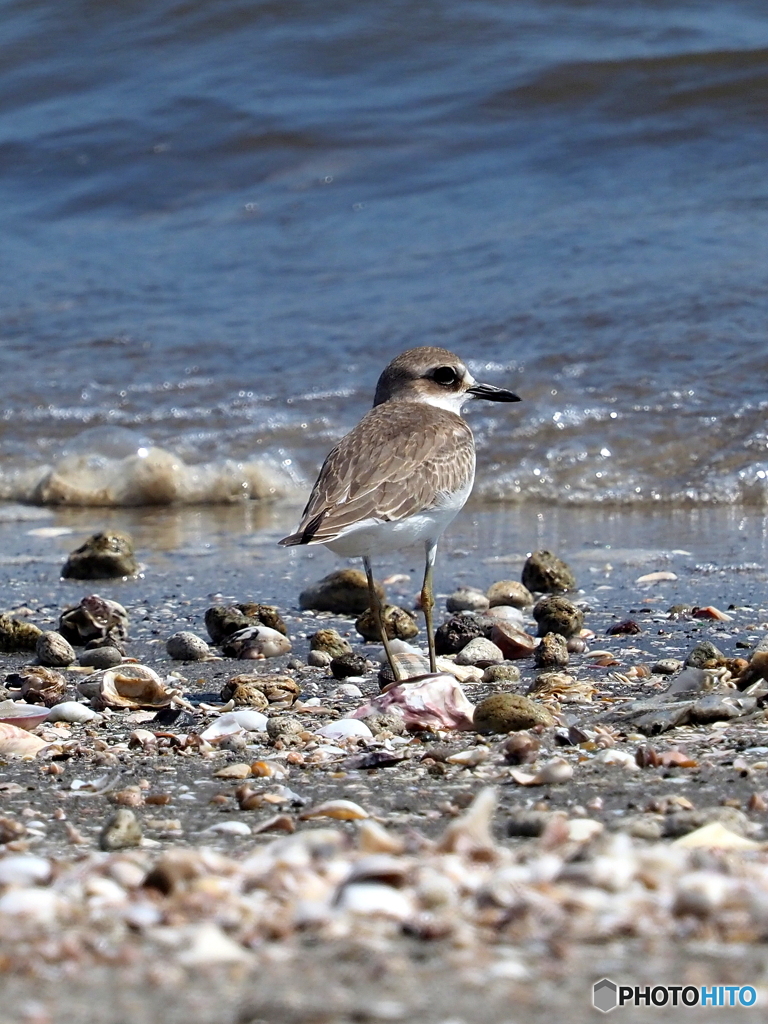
23,869
232,828
233,722
71,711
38,905
345,728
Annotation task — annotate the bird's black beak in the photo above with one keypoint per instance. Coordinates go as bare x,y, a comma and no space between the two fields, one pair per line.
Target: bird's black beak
492,393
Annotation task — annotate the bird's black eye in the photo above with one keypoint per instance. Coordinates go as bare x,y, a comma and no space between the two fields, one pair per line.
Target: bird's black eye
445,375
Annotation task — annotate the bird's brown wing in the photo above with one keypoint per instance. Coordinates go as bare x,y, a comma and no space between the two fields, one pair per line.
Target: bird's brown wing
399,460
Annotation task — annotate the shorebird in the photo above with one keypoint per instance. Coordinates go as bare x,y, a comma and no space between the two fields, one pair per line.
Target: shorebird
402,474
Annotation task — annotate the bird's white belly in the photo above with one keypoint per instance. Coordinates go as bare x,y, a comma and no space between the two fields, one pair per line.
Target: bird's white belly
374,537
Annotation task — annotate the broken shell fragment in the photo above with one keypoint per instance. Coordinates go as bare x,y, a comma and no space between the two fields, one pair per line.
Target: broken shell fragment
14,740
234,722
344,810
94,619
128,686
551,773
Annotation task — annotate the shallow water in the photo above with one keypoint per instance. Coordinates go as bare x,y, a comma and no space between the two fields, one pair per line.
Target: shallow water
220,221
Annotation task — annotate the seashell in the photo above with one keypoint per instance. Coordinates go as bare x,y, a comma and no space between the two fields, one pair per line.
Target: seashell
11,830
374,900
373,838
344,810
562,687
346,728
256,642
472,831
233,771
277,823
210,945
39,685
583,830
269,770
186,646
656,577
513,641
232,828
122,830
233,722
710,612
469,758
346,690
142,738
94,619
434,702
25,869
716,836
129,686
71,711
21,714
14,740
54,651
551,773
38,905
622,758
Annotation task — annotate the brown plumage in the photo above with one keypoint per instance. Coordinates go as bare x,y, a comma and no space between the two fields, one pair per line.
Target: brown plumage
401,459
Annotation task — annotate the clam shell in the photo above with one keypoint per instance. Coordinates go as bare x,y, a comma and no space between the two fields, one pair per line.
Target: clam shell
344,810
18,741
22,715
128,686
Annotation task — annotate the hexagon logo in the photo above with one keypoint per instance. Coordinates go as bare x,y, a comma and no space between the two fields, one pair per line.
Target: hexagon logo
604,995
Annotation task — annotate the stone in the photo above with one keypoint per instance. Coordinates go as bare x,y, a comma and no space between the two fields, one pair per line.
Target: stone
705,655
666,666
558,615
531,823
509,592
283,727
545,573
330,641
552,652
319,659
456,632
17,635
399,624
467,599
505,673
186,646
257,691
121,831
54,651
256,643
105,555
349,664
100,658
344,592
222,620
510,712
480,652
521,748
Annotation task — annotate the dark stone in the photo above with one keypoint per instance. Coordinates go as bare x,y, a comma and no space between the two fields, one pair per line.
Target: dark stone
545,573
399,623
105,555
344,592
349,664
558,615
222,620
456,632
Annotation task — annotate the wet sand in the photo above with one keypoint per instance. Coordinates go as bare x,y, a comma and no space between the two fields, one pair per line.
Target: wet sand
193,557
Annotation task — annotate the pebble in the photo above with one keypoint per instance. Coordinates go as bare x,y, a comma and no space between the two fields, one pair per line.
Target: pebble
283,727
121,831
552,652
186,646
510,712
346,690
521,748
105,555
344,592
503,673
349,664
456,632
256,642
238,770
24,869
54,651
467,599
558,615
222,620
544,572
319,659
330,642
101,657
71,711
480,652
705,655
17,634
509,592
399,623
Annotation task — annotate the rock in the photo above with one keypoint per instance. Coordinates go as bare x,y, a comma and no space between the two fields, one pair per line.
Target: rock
257,691
101,657
39,685
284,728
509,592
186,646
628,627
545,573
386,722
504,673
256,643
680,823
456,633
53,650
558,615
319,659
349,664
552,652
531,823
344,592
95,618
105,555
720,707
514,642
521,748
705,655
480,652
399,624
331,642
17,635
121,831
666,666
222,620
756,668
510,712
467,599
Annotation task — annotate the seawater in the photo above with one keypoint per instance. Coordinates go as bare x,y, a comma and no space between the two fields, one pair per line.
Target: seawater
221,220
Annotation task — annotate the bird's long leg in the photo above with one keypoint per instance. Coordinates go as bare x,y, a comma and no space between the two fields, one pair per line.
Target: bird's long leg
428,602
376,608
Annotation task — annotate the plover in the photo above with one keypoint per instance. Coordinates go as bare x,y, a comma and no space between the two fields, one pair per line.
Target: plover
401,476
